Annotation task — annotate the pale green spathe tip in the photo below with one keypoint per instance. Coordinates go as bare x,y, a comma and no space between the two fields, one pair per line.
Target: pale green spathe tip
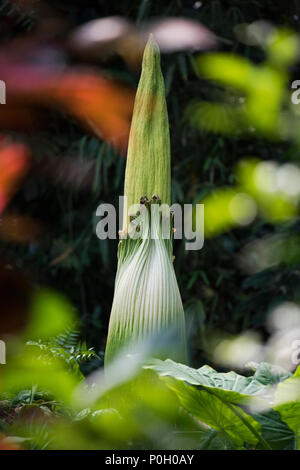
148,160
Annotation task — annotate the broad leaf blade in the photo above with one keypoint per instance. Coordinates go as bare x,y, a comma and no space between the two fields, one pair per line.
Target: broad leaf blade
275,432
287,403
230,386
229,420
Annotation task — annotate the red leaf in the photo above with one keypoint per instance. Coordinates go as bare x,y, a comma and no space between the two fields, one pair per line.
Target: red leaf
101,104
14,163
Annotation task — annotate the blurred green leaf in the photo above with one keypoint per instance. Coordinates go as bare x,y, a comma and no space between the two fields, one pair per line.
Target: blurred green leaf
51,314
282,47
30,368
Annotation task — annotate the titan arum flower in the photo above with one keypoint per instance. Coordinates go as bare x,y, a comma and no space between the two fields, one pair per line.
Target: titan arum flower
146,300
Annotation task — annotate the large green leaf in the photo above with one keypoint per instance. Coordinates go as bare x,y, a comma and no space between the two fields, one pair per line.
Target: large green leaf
207,439
229,420
287,403
278,435
216,395
268,374
229,386
211,440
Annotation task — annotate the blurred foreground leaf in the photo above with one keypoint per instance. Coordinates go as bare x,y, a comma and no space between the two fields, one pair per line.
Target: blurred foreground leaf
51,315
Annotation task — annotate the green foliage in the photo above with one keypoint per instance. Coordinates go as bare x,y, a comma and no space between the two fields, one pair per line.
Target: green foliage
66,348
287,403
164,406
243,126
213,397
